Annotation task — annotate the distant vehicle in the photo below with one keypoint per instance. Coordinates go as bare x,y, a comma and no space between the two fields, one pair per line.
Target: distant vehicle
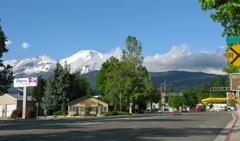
166,109
159,109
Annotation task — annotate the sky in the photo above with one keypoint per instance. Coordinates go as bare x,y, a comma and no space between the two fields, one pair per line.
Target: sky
175,34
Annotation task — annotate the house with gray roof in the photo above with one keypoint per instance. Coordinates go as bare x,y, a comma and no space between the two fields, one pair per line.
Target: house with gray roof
11,102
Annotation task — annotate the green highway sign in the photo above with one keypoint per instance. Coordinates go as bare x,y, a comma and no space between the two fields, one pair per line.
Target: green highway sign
233,39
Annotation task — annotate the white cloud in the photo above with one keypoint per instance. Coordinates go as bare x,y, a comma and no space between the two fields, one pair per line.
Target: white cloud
8,42
180,58
25,45
116,53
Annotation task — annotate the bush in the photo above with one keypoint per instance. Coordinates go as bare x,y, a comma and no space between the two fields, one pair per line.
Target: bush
57,113
30,113
16,114
75,114
63,109
114,113
87,110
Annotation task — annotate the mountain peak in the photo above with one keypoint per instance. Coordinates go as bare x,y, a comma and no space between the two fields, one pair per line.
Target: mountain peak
83,55
84,61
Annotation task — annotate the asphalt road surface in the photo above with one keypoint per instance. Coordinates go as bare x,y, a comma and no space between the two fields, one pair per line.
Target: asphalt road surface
201,126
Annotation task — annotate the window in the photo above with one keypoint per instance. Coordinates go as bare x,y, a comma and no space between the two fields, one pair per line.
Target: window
73,109
81,109
104,109
93,109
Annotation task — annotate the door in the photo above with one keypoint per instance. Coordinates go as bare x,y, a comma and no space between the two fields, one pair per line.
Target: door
1,111
10,109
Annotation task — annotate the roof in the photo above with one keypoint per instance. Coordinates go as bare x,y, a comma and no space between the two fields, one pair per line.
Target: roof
83,98
20,97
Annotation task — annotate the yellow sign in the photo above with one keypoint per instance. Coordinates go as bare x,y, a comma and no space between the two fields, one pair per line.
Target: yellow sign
230,95
233,55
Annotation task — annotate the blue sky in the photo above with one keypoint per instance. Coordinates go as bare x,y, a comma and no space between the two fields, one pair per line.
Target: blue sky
60,28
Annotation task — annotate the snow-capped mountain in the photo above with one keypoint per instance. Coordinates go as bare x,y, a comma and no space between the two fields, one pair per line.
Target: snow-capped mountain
30,66
83,62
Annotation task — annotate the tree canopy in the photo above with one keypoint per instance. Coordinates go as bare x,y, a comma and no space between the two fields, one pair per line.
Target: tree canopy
6,74
61,87
126,80
226,12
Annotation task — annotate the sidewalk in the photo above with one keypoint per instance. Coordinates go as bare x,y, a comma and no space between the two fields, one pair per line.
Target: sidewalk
234,134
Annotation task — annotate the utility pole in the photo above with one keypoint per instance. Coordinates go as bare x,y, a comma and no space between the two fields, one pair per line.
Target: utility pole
163,94
120,97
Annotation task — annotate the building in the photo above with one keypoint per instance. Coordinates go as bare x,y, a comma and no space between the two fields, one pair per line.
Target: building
11,102
77,106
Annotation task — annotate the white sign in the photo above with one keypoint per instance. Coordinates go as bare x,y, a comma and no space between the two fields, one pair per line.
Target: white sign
25,82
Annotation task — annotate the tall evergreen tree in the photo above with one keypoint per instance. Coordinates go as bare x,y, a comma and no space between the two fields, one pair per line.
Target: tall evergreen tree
6,74
50,100
62,87
79,87
56,89
38,91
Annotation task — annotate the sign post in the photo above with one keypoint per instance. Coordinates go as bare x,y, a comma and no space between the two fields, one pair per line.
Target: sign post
25,82
37,104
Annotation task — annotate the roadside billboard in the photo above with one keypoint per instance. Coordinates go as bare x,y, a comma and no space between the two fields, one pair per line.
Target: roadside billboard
25,82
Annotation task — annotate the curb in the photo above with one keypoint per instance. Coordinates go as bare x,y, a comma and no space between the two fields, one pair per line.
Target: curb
231,129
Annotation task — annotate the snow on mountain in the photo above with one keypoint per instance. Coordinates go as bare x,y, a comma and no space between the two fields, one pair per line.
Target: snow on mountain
30,66
84,61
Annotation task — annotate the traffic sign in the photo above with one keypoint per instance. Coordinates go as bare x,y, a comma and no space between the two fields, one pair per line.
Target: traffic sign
233,55
235,81
230,95
233,39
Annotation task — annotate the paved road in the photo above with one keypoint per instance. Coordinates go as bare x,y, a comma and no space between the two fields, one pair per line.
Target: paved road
185,127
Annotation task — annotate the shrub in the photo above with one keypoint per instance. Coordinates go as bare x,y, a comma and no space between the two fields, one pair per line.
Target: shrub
204,107
75,114
87,110
57,113
63,109
16,113
112,113
30,113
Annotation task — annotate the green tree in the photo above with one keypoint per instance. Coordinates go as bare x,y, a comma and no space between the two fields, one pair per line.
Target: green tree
62,87
190,98
133,52
38,91
107,67
226,12
127,78
218,82
56,90
78,87
6,74
175,101
63,108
